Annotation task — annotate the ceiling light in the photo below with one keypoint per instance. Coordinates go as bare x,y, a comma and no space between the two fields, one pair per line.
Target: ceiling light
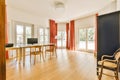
59,5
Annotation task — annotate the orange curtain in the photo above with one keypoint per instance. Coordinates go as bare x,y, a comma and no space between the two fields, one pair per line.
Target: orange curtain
67,35
6,32
72,35
53,31
96,18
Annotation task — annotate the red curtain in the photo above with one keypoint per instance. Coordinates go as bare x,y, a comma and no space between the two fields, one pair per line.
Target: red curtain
67,35
53,31
96,34
56,33
6,32
72,35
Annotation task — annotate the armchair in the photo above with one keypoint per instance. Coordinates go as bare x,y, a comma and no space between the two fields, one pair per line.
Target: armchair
109,64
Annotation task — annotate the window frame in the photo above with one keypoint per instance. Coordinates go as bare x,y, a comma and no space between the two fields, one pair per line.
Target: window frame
24,31
44,41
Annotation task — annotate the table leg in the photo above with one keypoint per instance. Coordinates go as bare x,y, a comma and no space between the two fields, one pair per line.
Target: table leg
20,52
23,56
17,52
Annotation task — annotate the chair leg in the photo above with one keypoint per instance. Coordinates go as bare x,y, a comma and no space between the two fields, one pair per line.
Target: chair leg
45,54
34,58
42,56
116,75
100,76
97,71
50,54
55,53
30,57
17,51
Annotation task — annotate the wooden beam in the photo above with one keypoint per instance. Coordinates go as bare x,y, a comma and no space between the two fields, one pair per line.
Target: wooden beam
2,41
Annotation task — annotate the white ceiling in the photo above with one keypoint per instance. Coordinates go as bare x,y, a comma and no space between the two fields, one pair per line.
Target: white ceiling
45,8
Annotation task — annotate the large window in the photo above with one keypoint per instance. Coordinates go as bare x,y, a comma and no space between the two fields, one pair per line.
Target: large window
86,39
23,31
43,35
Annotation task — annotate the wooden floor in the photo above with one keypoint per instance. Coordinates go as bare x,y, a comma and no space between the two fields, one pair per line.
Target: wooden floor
69,65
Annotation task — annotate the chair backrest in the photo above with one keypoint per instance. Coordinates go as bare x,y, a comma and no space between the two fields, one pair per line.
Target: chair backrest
117,54
51,47
35,48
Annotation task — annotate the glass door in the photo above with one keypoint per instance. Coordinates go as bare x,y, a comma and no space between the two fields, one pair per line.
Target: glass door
46,36
59,43
23,31
43,35
91,41
64,39
61,39
82,39
28,32
86,39
19,34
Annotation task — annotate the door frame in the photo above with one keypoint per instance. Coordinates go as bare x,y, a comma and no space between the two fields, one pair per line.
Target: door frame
2,40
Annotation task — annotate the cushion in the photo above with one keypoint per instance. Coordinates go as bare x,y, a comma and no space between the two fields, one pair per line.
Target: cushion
108,64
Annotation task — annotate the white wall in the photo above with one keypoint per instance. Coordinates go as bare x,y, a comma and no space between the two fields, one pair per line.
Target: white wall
23,16
108,8
10,31
61,27
118,5
14,14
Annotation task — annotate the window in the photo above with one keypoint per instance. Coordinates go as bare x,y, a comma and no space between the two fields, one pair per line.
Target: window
43,35
86,39
61,39
90,35
82,42
23,31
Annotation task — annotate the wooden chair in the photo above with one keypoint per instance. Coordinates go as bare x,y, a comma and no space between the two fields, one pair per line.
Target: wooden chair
36,50
109,64
51,49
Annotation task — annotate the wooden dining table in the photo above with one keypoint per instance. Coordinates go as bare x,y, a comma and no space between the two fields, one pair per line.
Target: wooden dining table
20,50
